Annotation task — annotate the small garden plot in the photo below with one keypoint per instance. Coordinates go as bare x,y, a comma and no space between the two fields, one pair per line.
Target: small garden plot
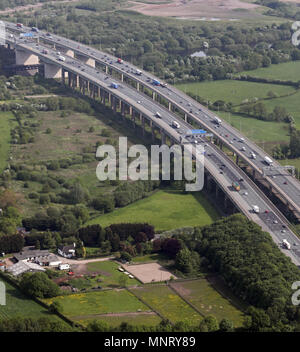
83,306
208,300
109,274
166,302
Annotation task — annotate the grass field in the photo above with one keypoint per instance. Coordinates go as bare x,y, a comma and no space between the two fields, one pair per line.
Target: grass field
155,257
89,305
19,305
291,104
7,122
109,273
233,91
166,210
285,71
168,304
209,301
116,320
265,133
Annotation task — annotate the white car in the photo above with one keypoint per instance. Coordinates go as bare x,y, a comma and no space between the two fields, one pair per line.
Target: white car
243,149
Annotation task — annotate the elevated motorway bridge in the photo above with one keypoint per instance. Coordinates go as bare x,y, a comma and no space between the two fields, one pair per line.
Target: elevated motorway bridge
84,76
283,185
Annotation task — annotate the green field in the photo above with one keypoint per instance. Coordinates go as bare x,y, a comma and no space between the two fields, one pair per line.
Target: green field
168,304
19,305
109,273
287,71
290,103
264,133
166,210
89,305
115,320
233,91
209,301
7,122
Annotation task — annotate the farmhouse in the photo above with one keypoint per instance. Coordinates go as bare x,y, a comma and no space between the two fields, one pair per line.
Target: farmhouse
67,251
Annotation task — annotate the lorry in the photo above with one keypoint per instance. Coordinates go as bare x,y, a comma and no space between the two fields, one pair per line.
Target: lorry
61,58
286,244
217,120
175,124
255,209
156,83
114,85
236,186
268,160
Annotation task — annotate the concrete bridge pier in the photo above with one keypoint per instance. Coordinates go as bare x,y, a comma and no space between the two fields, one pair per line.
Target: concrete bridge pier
24,57
87,60
52,71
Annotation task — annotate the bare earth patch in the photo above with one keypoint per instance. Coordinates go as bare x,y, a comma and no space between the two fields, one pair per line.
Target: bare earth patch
152,272
197,9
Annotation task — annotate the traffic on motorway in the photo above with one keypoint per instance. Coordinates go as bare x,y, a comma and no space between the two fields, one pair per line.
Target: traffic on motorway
249,195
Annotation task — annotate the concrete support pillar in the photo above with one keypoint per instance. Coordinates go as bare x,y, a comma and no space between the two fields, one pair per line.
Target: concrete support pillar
122,77
106,69
24,57
143,125
153,95
138,86
87,60
63,76
130,110
109,98
225,204
122,108
170,106
217,191
163,137
52,71
153,132
185,117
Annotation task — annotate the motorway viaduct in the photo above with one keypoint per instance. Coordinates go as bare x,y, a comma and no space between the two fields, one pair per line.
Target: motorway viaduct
284,188
80,72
